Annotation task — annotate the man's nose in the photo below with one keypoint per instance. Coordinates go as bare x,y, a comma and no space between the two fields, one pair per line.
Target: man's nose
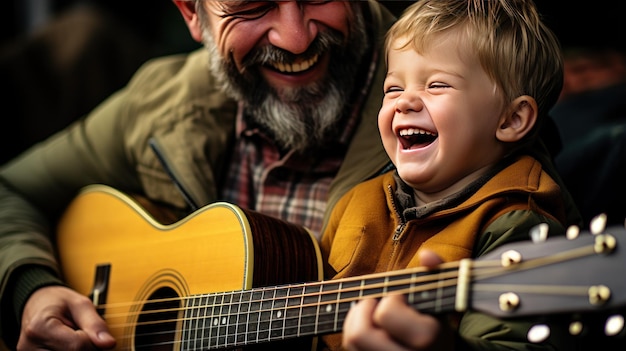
292,30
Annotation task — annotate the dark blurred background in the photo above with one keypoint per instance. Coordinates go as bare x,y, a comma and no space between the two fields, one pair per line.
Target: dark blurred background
98,44
60,58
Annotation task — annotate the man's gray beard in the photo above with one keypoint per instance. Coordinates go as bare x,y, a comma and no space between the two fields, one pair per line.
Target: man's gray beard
300,119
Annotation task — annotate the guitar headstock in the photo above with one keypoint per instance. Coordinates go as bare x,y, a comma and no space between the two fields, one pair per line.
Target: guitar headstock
574,277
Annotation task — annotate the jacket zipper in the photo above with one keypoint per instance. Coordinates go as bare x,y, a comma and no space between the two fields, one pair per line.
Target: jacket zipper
397,233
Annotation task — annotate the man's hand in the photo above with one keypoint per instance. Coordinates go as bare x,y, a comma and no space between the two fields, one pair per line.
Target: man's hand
58,318
392,325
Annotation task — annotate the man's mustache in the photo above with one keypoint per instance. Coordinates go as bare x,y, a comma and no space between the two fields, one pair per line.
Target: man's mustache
272,55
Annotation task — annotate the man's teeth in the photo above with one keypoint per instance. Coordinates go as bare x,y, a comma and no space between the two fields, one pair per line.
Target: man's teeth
296,67
415,131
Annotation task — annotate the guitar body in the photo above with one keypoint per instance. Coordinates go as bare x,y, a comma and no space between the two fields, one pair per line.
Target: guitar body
110,248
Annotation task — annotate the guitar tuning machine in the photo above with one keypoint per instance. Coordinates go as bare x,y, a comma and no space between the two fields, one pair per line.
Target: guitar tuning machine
539,233
576,328
604,244
599,294
508,301
538,333
614,325
598,224
572,232
510,257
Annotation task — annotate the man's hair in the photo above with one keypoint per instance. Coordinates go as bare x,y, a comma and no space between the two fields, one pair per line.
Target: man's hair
515,48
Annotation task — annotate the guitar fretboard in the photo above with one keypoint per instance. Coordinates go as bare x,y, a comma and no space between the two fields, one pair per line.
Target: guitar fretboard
239,318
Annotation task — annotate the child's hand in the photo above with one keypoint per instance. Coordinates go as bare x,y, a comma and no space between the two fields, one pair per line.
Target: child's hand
390,324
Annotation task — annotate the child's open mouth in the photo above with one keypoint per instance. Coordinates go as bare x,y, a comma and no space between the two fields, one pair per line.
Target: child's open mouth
413,138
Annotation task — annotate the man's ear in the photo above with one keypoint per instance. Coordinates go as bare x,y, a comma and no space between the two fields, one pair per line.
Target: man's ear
519,119
190,15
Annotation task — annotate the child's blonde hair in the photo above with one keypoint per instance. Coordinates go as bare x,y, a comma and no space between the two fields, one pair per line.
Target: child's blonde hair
515,48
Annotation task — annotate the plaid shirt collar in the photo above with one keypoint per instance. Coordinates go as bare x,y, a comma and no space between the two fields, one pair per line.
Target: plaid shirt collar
292,187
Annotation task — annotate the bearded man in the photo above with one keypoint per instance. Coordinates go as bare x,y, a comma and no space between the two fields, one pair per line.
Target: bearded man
276,114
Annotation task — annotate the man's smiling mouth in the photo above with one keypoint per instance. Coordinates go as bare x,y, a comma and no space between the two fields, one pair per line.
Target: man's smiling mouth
413,138
295,67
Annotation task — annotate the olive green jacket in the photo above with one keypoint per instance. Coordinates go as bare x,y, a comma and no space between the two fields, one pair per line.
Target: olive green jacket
167,133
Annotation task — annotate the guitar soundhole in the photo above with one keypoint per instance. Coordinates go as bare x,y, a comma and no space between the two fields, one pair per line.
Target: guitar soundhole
156,326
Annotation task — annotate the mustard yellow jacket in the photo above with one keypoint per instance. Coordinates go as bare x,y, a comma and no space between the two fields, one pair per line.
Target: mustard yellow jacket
367,233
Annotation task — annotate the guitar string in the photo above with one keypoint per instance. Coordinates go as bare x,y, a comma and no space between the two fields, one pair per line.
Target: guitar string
480,270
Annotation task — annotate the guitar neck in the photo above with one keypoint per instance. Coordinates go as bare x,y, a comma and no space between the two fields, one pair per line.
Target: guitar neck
268,314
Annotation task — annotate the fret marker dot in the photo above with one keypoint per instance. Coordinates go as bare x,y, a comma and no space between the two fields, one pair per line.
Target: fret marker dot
279,314
216,321
329,308
223,320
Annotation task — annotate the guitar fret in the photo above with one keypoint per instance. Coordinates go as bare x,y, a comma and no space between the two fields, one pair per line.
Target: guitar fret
204,338
293,311
255,317
212,333
326,311
278,315
225,318
233,319
338,307
265,316
411,296
218,322
433,300
309,310
440,293
185,339
317,311
242,336
351,291
194,321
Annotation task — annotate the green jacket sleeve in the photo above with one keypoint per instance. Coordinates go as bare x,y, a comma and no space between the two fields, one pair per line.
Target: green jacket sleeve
34,189
26,251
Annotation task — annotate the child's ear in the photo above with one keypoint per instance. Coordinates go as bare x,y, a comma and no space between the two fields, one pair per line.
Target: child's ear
519,119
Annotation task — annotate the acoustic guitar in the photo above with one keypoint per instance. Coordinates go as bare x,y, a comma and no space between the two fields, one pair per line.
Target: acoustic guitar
224,278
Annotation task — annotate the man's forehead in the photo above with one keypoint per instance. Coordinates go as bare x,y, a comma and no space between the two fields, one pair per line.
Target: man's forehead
252,1
243,3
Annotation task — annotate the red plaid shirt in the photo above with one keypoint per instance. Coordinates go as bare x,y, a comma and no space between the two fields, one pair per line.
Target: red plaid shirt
291,186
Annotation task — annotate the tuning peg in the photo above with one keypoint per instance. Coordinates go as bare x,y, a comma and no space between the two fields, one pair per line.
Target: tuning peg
538,333
572,232
614,325
598,224
539,233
